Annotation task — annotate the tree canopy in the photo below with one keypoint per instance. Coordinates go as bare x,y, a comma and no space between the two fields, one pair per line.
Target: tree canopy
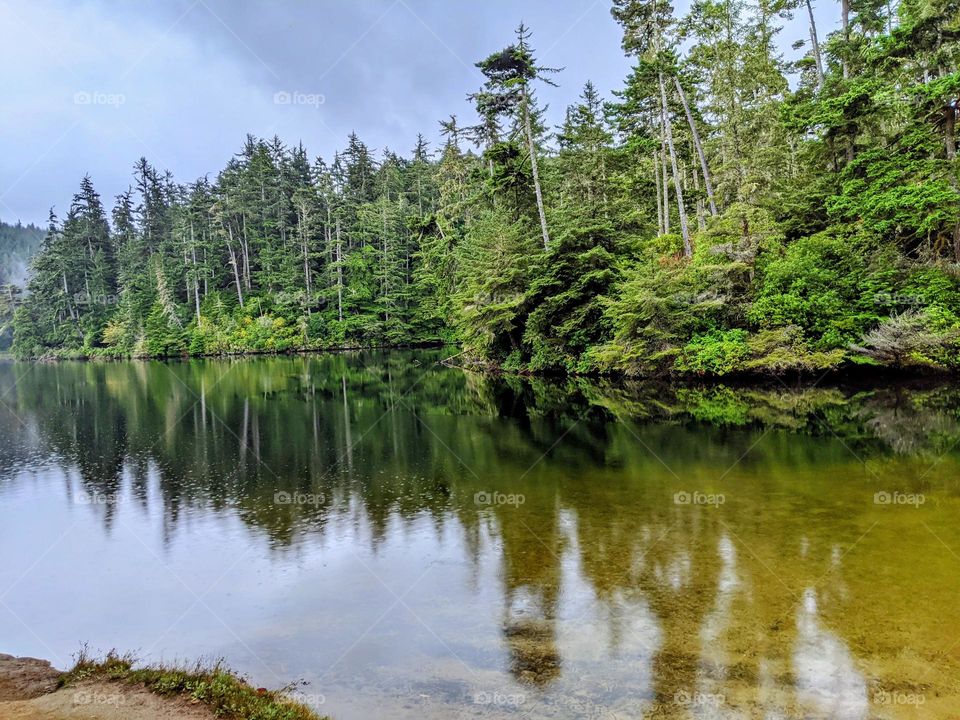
727,210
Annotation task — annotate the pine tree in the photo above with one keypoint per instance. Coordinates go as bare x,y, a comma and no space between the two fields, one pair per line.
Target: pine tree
508,92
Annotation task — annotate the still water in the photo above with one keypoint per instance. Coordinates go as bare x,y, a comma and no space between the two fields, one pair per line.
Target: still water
413,541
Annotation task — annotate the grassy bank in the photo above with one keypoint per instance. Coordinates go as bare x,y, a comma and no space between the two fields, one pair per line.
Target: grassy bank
842,368
221,690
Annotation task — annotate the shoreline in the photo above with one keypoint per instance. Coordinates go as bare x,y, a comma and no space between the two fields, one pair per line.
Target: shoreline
842,373
116,688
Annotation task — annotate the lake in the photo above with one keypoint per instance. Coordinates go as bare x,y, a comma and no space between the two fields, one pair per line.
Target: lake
415,541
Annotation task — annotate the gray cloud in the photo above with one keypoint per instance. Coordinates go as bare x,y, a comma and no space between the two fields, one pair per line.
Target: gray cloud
90,87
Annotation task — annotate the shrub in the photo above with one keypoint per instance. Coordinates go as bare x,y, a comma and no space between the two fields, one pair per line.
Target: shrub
717,352
828,285
905,340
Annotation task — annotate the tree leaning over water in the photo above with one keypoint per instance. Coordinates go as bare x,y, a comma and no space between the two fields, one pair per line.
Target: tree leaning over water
727,210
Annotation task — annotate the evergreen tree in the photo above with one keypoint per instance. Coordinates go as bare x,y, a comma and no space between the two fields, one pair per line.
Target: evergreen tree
710,219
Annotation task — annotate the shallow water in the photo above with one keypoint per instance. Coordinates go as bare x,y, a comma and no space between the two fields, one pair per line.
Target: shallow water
413,541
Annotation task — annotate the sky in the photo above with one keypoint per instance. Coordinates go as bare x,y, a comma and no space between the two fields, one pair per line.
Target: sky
89,86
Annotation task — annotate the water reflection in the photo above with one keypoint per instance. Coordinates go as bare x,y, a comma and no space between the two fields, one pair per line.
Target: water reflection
714,659
410,537
827,679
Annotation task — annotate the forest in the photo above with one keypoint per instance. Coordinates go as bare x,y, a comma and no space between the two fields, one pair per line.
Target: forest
726,211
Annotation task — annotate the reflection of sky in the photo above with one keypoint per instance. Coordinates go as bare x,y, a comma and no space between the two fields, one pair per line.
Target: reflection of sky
608,643
412,625
826,675
712,675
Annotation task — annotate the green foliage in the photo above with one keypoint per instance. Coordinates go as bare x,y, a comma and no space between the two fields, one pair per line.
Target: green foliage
162,337
223,692
828,285
786,349
913,338
718,352
567,297
819,223
495,263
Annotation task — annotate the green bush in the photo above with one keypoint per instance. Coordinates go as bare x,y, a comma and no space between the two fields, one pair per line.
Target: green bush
717,352
828,284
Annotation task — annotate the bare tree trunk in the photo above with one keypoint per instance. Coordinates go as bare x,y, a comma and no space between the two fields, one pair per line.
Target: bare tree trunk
701,221
196,278
534,168
339,275
949,130
66,292
301,221
698,145
815,44
845,23
245,249
664,178
328,238
386,265
234,264
656,182
187,287
684,229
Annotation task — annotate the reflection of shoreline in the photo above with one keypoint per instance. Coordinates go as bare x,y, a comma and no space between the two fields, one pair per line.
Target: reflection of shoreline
898,415
326,431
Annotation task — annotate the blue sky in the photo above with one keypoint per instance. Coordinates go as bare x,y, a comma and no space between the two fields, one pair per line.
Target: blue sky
89,86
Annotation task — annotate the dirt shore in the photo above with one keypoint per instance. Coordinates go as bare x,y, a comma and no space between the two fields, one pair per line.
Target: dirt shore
29,690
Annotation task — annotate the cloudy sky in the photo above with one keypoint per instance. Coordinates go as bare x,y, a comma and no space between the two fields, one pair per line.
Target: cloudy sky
90,85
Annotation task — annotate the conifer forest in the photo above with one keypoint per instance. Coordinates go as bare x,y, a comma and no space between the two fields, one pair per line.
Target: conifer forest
726,211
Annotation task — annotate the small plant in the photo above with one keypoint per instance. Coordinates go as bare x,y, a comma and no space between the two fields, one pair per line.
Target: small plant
227,694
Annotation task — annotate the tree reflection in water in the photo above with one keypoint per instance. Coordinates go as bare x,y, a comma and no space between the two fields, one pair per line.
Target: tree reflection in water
797,595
